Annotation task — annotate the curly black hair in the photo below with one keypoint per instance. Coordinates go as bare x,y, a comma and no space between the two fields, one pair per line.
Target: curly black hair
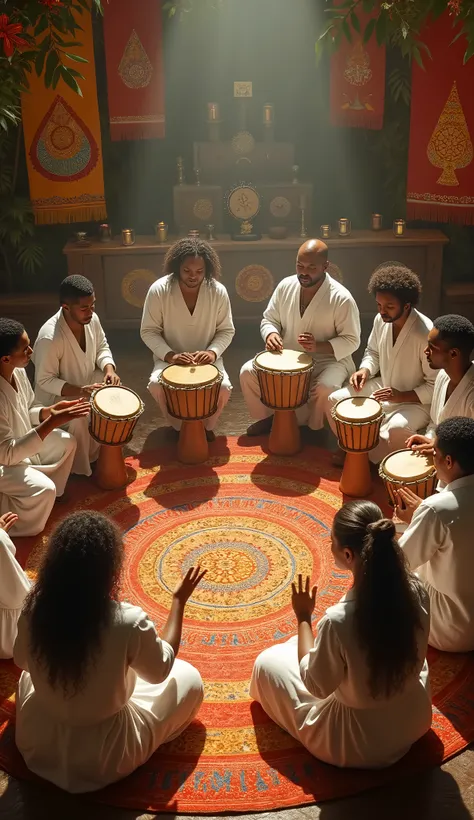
75,287
11,332
455,438
71,602
192,247
456,331
398,280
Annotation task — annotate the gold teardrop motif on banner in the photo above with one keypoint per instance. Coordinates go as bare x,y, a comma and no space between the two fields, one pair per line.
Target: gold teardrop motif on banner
63,147
450,146
135,68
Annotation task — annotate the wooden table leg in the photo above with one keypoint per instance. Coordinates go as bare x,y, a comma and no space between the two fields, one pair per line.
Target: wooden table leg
285,437
110,472
192,444
356,480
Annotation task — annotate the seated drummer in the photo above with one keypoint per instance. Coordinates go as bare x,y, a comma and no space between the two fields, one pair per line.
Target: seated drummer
72,358
187,320
394,368
308,311
438,541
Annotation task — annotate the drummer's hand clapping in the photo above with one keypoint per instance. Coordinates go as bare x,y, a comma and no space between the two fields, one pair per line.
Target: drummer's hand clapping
65,411
420,444
408,503
387,394
359,378
204,357
88,389
307,342
179,358
274,342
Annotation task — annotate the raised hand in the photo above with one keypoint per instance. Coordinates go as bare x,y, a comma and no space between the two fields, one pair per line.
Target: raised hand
307,342
204,357
7,521
303,600
274,342
188,584
359,378
65,411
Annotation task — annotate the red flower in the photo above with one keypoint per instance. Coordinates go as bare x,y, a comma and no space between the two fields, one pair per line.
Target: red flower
9,34
51,4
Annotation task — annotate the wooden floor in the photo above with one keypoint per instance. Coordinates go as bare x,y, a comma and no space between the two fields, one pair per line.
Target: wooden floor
440,794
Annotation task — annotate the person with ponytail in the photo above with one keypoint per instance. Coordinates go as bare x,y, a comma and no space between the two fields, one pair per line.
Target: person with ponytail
100,690
359,694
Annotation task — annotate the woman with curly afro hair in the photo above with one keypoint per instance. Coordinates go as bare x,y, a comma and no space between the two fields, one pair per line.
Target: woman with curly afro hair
394,369
187,320
100,690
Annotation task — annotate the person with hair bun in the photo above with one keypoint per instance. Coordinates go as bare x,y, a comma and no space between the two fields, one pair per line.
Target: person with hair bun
359,694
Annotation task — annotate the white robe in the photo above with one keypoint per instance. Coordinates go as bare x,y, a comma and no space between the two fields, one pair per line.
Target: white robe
460,402
135,697
32,471
404,367
438,545
14,587
331,316
325,701
167,325
59,358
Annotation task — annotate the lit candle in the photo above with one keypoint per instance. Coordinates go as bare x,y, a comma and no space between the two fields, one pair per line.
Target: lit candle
212,112
344,227
399,227
268,114
325,231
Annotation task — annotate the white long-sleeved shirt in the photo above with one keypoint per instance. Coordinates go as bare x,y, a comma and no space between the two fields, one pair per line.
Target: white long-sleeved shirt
19,414
460,402
167,324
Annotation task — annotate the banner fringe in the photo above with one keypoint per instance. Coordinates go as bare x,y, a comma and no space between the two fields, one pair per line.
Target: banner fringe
437,212
57,216
126,131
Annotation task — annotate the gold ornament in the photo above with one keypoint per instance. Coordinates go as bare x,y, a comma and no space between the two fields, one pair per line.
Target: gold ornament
135,68
254,283
203,209
450,146
243,202
135,286
280,207
243,143
335,272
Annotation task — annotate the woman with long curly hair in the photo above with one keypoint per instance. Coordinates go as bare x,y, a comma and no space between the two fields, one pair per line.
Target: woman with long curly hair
187,320
100,690
359,694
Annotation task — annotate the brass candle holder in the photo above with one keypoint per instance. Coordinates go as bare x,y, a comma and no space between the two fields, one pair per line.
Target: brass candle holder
180,168
161,232
376,222
128,236
213,114
344,227
194,234
399,226
105,234
325,231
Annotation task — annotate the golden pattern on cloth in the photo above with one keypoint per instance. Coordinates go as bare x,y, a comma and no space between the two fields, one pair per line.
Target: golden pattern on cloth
254,283
135,68
280,207
450,147
241,739
63,146
135,286
222,691
335,272
203,209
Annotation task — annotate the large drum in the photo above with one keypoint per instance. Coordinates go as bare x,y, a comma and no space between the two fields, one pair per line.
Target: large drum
284,379
114,414
358,422
405,468
191,393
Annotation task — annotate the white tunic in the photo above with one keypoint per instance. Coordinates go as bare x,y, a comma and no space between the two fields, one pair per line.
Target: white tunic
167,325
32,471
402,366
331,316
14,587
438,544
460,402
325,701
59,358
135,697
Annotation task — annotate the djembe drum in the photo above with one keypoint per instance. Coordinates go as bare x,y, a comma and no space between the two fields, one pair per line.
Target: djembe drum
358,422
284,379
191,393
406,468
114,414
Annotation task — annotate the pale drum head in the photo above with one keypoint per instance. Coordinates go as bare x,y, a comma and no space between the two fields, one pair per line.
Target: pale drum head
116,402
288,361
358,409
196,375
406,465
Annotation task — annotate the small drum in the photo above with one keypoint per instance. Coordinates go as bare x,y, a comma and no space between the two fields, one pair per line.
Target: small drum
358,422
114,414
405,468
191,391
284,378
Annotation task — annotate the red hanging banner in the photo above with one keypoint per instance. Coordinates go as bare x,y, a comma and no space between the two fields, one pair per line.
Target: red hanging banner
134,60
441,158
357,86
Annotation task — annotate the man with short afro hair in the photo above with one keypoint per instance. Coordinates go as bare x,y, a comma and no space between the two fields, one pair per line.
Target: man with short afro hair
394,369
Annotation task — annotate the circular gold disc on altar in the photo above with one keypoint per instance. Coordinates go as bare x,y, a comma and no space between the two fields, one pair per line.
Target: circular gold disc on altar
243,143
203,209
135,286
254,283
280,207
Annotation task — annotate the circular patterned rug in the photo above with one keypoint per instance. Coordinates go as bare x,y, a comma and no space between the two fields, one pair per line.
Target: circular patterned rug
253,521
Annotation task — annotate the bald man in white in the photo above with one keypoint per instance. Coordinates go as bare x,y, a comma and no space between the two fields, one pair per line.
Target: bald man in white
312,312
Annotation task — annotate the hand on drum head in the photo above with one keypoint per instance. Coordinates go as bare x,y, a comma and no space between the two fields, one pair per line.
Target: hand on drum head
408,503
188,584
88,389
7,520
274,342
420,444
307,342
359,378
204,357
65,411
303,600
181,358
112,379
387,394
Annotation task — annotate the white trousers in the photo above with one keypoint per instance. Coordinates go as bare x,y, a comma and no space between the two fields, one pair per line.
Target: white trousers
156,391
14,587
87,448
400,422
30,490
326,378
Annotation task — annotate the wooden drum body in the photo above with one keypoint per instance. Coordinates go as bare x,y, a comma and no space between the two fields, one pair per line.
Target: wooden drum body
284,380
405,468
114,414
192,394
358,421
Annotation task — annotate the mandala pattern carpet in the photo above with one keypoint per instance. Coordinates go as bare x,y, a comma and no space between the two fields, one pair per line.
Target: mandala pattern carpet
254,521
